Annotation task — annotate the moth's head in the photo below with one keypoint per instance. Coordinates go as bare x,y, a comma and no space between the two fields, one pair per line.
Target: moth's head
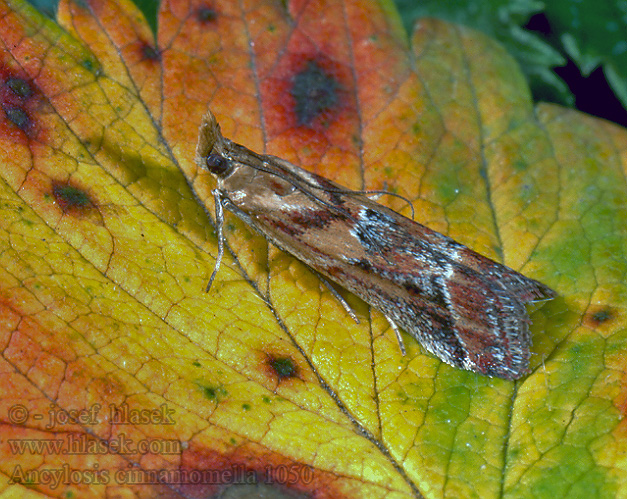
218,165
211,147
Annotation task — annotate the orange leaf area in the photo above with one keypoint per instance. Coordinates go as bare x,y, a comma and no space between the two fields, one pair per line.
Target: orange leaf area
121,376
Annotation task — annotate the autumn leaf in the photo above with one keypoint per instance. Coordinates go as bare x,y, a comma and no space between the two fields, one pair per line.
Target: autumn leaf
121,375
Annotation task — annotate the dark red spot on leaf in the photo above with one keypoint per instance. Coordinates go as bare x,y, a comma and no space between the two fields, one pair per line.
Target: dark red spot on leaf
71,199
19,87
250,470
309,95
21,102
314,92
18,117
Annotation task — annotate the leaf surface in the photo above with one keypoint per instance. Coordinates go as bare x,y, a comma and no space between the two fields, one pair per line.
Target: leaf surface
106,251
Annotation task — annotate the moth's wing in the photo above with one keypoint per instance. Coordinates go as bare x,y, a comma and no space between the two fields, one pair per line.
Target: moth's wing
525,288
472,322
463,307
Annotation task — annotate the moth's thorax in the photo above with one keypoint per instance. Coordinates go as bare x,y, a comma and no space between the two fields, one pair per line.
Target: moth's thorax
250,187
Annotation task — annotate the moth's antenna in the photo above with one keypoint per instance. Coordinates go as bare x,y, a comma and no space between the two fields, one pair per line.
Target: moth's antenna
387,193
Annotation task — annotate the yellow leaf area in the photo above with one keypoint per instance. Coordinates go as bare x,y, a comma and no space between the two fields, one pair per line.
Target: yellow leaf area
122,377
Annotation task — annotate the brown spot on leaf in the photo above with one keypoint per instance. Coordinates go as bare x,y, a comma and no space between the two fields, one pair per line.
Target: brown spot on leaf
105,387
599,316
283,367
71,199
150,53
206,14
602,316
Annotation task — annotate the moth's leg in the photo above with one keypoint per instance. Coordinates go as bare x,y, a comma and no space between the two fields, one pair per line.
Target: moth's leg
337,296
397,331
222,202
217,196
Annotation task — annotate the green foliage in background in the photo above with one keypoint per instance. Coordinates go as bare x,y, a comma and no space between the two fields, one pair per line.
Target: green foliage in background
592,34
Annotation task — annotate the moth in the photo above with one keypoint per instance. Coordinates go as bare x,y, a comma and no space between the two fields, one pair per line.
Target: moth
462,307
